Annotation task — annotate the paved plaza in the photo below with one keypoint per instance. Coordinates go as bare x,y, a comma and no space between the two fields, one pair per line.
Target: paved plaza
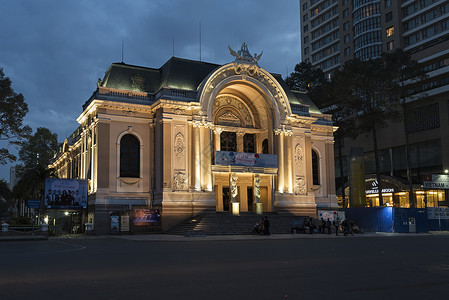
370,266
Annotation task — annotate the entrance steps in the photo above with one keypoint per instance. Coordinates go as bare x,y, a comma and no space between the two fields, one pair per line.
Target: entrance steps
227,224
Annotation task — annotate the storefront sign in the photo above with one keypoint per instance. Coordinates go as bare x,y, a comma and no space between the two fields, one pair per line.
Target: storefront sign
373,188
229,158
438,212
65,193
436,181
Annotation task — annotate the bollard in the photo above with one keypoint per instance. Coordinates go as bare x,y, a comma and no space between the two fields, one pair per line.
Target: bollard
88,227
44,227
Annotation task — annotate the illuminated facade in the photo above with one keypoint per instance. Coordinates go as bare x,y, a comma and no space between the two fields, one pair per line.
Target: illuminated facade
156,138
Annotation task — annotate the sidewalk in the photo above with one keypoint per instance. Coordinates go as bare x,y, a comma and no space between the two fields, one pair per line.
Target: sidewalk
178,238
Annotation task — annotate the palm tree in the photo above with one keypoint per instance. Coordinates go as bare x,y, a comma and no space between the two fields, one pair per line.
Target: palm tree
32,184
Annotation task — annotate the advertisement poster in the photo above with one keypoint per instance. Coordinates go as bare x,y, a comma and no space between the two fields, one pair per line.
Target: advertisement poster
115,222
65,193
329,214
436,213
229,158
124,223
146,217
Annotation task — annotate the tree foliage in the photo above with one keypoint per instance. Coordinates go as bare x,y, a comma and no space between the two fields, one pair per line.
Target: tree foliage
38,149
32,183
13,109
308,79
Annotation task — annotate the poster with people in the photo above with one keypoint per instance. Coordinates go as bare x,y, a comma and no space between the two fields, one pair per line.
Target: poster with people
65,193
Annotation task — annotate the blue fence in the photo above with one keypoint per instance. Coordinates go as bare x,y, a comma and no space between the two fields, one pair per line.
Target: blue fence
389,219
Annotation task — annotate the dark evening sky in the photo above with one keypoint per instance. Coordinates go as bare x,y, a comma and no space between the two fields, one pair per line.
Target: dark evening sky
54,51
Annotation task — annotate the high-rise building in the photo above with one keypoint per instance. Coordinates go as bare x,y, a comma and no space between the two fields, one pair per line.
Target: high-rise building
334,31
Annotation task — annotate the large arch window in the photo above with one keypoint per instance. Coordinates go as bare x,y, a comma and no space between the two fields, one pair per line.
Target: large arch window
228,141
129,156
315,168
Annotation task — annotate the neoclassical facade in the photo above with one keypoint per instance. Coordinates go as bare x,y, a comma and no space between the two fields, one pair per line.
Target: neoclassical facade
193,137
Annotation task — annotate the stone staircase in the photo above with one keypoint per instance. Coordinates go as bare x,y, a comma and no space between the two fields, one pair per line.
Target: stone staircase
228,224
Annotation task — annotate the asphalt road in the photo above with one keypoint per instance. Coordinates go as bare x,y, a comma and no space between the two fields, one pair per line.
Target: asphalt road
415,267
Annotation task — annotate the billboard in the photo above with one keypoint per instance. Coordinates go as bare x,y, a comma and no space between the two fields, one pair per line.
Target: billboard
65,193
146,217
436,181
230,158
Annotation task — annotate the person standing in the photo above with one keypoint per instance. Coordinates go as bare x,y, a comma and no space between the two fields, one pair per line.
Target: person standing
337,224
266,225
328,226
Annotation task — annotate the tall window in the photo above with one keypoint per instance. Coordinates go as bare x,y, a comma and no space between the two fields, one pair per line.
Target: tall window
265,146
228,141
315,168
248,143
129,156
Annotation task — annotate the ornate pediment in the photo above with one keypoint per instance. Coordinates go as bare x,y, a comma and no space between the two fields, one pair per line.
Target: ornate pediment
229,118
244,63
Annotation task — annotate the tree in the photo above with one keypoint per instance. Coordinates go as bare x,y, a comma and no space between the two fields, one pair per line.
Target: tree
341,103
308,79
376,108
403,72
5,198
12,111
39,148
32,183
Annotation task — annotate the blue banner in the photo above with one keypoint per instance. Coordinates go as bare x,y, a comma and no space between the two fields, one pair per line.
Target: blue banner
229,158
34,203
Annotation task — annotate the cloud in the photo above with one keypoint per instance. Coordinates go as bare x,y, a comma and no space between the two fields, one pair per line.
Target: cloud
54,51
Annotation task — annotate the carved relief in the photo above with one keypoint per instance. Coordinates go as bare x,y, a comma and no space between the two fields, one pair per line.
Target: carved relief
257,180
299,155
300,186
179,181
129,113
179,146
230,111
138,82
233,184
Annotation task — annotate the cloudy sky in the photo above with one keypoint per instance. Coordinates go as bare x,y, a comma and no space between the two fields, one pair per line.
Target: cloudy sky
55,50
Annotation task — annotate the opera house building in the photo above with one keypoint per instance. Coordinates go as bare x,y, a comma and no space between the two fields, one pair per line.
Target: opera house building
194,138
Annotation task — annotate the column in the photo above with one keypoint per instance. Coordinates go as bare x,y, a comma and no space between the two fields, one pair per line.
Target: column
280,143
240,141
167,153
206,170
289,164
217,140
196,156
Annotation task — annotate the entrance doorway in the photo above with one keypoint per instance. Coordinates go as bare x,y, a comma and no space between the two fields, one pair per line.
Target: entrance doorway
249,196
226,198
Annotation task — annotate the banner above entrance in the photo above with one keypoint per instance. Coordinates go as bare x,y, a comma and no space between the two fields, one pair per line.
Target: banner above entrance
229,158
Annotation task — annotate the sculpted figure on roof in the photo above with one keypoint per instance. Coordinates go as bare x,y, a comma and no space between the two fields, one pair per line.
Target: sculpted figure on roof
245,63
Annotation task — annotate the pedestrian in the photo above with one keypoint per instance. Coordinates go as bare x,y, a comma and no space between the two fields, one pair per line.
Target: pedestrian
322,226
311,225
337,224
328,226
262,227
266,225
